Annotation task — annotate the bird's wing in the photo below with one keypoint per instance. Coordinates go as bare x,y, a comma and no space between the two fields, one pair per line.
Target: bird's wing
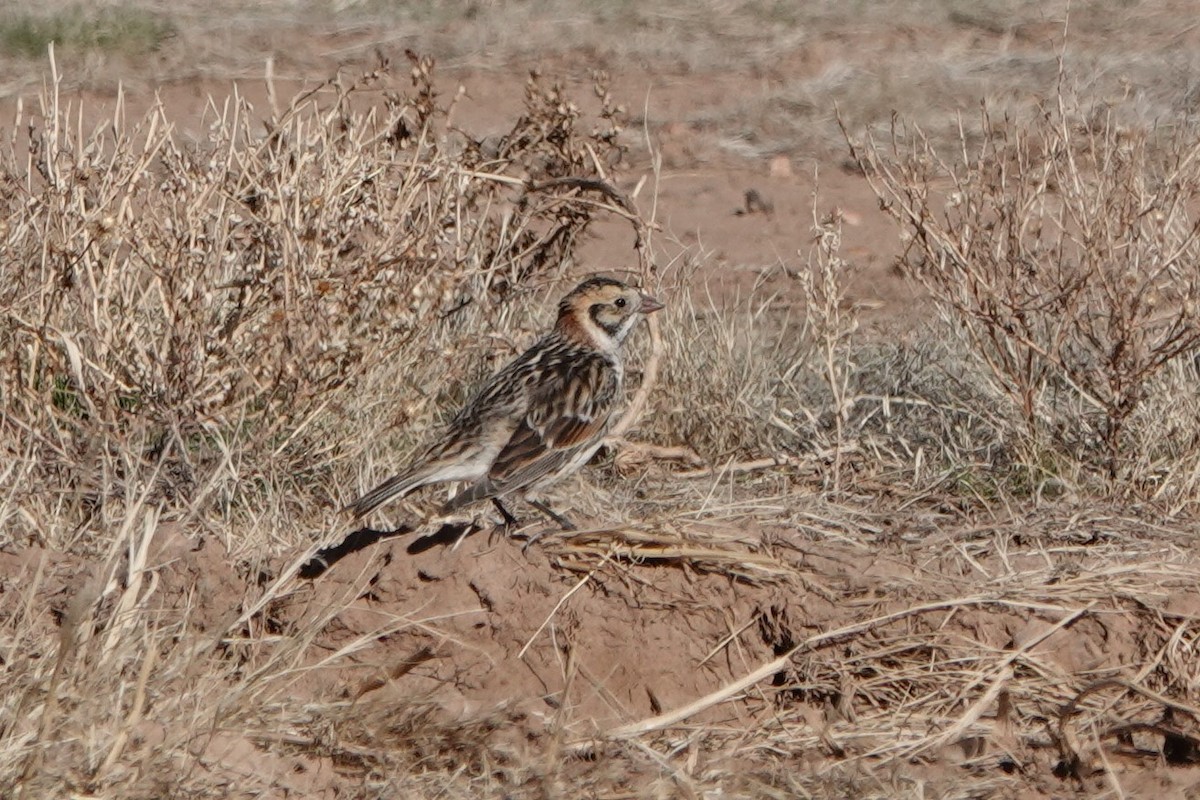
565,415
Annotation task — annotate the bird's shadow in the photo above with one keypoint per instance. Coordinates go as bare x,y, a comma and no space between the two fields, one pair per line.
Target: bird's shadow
448,534
325,558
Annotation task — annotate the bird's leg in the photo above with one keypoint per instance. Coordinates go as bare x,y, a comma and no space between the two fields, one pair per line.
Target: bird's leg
503,529
509,519
562,521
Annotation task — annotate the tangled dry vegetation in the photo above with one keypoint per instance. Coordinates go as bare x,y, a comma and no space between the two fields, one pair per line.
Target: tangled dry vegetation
184,317
1063,253
832,596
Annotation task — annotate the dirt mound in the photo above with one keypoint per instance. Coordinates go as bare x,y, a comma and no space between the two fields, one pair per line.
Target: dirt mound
486,623
1026,657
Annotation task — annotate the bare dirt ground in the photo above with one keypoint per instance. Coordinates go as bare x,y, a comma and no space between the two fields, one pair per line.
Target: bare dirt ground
906,644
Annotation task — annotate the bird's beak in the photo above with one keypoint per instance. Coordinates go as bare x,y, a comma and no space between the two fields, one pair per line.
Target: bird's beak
650,305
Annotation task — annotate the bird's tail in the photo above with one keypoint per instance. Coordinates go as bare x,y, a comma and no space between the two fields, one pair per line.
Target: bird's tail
480,490
390,489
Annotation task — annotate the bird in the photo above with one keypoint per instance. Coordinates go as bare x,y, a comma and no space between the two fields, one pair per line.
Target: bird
539,418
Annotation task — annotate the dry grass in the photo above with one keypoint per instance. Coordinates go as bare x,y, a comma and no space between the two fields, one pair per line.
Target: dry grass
199,310
218,343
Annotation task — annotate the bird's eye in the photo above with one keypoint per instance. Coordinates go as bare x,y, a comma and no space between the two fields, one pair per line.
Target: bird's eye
619,302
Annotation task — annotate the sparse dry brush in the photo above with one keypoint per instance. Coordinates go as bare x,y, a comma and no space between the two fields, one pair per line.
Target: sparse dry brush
1064,252
202,307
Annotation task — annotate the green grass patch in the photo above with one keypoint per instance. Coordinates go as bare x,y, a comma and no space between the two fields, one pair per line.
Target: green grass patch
123,31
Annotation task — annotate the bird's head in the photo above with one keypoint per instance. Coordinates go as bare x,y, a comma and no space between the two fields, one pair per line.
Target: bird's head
605,309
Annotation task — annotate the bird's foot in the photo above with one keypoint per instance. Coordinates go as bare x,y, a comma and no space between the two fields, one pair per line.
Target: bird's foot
559,519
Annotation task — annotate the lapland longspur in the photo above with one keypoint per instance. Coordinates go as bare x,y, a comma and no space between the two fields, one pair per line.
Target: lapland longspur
542,416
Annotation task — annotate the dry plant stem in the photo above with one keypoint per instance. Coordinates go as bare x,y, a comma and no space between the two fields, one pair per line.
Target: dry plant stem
1072,708
552,761
72,635
637,406
661,452
645,230
138,707
735,688
730,637
1001,675
578,585
741,467
826,323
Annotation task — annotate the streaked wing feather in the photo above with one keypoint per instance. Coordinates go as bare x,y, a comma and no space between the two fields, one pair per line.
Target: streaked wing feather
564,416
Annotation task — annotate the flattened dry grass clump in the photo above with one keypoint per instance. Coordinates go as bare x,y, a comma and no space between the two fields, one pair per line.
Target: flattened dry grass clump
978,670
